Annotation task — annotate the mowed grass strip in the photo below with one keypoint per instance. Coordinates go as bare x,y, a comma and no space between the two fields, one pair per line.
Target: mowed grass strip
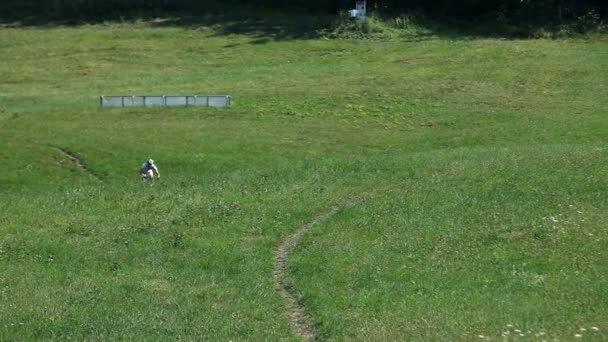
485,158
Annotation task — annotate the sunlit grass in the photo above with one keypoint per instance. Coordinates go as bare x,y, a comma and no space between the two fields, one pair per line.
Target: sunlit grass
483,162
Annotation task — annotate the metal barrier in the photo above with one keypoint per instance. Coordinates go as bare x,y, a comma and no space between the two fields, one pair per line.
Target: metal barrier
165,100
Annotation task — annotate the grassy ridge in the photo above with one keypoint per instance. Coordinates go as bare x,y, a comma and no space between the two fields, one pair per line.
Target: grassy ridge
485,158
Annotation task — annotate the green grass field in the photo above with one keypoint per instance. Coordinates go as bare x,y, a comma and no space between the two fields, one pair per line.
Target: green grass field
482,165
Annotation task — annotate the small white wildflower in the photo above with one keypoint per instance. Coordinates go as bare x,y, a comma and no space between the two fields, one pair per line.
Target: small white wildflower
541,333
582,329
578,335
553,219
595,328
481,336
509,325
517,331
522,335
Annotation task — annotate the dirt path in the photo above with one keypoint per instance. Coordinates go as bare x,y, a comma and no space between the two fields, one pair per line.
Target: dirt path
301,323
77,162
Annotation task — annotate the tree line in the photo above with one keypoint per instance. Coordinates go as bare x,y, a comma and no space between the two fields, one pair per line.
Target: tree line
515,11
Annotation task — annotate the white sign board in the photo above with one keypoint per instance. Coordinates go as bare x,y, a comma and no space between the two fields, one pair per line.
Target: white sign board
361,8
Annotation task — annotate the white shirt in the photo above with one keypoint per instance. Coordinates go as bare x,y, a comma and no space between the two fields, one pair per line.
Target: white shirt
145,167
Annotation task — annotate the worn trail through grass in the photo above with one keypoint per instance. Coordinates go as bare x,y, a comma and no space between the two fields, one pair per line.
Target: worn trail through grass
301,322
486,158
73,157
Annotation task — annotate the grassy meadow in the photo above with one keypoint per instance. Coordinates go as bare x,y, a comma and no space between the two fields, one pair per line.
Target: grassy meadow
482,165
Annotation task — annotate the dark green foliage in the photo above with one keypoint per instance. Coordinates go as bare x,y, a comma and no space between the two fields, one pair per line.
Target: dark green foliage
515,12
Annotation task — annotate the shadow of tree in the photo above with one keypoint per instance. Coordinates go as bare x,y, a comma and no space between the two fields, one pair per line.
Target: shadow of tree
262,29
264,26
261,26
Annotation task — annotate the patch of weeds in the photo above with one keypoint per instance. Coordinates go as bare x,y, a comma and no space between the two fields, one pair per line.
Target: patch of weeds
587,24
115,267
437,123
124,235
224,211
13,249
6,114
177,239
45,258
77,229
377,27
145,228
346,27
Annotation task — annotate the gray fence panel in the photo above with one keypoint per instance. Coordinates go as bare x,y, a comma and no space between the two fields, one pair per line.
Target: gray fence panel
168,100
175,100
127,101
218,101
201,100
130,101
153,101
138,100
111,101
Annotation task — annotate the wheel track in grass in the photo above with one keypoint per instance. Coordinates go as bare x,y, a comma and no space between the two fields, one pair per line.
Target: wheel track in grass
76,161
301,322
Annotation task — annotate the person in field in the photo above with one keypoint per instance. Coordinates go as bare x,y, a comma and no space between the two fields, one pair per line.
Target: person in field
149,170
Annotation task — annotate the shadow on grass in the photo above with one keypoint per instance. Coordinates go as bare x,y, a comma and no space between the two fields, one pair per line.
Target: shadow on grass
261,26
264,26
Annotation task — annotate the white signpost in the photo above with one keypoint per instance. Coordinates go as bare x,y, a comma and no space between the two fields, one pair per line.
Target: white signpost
360,11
